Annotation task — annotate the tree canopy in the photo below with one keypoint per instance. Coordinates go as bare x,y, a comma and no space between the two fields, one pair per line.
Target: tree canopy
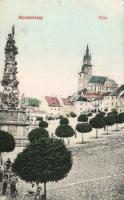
100,114
82,118
43,124
45,162
64,121
109,121
64,131
36,134
72,114
34,102
97,123
7,142
83,128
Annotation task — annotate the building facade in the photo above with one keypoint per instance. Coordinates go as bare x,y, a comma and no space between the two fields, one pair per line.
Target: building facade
89,83
51,105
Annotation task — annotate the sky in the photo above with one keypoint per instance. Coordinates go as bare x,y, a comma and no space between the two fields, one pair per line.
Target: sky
51,50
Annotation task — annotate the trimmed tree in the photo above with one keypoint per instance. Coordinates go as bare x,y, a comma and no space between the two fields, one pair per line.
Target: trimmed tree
83,128
121,117
73,115
100,114
45,162
97,123
7,142
116,117
36,134
64,121
82,118
109,121
64,131
43,124
39,119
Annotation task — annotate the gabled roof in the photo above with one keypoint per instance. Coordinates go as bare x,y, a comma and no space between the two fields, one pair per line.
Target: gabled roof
66,101
53,101
113,82
98,79
118,91
80,98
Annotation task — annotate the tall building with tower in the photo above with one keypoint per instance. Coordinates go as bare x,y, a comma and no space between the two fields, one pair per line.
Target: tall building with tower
90,83
86,71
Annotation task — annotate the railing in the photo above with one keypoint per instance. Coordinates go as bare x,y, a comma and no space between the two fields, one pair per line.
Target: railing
21,142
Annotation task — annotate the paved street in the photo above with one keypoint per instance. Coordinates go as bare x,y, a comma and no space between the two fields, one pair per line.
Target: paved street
97,172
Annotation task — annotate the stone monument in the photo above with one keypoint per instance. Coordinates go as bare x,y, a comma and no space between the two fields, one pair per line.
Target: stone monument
12,118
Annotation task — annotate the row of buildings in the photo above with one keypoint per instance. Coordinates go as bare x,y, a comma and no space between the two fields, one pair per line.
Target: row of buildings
94,93
89,102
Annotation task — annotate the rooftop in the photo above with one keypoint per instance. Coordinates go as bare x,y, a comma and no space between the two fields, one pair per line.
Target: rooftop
98,79
53,101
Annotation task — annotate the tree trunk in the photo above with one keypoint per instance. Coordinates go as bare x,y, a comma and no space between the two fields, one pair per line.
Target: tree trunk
44,190
96,133
116,126
82,138
0,158
68,141
107,130
1,161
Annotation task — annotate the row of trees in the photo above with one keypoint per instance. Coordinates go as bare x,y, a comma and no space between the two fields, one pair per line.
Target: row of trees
84,125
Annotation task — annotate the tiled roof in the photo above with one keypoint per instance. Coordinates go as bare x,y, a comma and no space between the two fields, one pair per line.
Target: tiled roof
90,95
118,91
53,101
66,101
98,79
113,83
80,98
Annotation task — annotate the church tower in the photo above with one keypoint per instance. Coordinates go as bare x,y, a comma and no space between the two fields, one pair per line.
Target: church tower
86,72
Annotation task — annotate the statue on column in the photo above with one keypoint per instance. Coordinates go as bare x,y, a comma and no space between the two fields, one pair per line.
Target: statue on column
10,97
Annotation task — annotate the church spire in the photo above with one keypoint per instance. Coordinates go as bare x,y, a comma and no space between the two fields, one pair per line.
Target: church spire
87,57
87,51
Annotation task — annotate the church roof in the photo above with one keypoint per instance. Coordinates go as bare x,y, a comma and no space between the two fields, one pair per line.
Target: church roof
98,79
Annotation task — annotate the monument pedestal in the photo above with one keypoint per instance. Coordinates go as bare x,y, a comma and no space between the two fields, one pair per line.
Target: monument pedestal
14,122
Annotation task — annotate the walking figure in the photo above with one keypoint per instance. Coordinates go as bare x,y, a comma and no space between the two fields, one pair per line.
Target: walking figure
8,164
5,183
13,189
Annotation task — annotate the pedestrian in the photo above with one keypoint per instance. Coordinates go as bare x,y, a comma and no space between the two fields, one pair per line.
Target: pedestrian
8,164
5,183
6,175
13,189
